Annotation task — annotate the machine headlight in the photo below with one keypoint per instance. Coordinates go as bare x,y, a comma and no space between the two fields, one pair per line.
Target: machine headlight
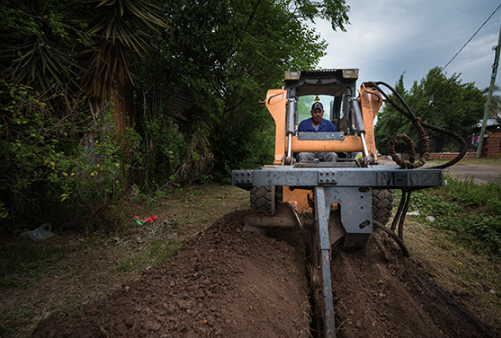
350,73
292,75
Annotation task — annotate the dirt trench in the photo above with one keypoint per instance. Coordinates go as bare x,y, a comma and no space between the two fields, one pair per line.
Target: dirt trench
230,283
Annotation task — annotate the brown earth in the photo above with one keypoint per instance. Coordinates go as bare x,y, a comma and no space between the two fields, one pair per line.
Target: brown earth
230,283
225,283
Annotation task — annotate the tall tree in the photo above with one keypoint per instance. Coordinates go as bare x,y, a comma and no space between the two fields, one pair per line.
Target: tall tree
117,27
224,55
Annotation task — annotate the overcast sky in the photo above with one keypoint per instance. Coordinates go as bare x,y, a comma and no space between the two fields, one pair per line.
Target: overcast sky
389,37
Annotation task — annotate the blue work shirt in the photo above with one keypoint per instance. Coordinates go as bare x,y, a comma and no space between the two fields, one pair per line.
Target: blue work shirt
325,126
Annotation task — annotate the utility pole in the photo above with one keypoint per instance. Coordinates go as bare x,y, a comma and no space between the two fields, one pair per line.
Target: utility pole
489,97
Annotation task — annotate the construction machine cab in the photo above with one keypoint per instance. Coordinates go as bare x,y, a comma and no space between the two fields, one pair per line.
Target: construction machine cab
336,88
329,87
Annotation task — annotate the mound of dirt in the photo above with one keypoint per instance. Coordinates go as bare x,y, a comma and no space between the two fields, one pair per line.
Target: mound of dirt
230,283
225,283
379,293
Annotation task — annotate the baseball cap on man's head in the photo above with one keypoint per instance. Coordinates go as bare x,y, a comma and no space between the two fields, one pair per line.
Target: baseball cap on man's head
317,105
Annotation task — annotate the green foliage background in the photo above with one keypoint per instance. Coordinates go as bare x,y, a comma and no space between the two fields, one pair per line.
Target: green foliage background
102,100
470,210
185,78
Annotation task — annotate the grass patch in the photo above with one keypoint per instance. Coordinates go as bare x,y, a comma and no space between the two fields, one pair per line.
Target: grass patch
473,278
471,195
461,250
24,262
471,211
66,272
159,251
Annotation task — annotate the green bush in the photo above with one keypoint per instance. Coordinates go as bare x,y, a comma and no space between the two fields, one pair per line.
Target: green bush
163,149
55,168
33,142
472,211
95,176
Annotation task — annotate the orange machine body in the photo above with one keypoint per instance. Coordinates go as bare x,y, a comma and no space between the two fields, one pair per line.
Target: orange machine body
370,101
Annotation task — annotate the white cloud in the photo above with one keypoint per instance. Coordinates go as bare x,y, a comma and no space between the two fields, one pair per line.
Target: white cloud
389,37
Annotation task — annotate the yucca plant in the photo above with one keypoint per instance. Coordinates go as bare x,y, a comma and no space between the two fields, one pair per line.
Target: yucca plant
117,27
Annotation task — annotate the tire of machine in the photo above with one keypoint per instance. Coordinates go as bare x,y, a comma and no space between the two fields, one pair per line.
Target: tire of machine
382,205
260,197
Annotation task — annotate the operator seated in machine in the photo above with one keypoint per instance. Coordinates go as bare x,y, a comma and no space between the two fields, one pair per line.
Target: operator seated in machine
317,124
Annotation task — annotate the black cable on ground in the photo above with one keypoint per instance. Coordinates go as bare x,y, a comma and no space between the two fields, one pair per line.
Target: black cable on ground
393,235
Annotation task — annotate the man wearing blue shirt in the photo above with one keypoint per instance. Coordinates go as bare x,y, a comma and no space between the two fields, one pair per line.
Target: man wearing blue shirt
317,124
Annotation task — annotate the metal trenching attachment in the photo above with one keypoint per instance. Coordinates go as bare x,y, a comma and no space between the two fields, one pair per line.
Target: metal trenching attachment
327,177
364,224
243,177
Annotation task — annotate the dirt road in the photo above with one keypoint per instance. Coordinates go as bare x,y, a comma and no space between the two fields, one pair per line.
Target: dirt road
481,174
481,171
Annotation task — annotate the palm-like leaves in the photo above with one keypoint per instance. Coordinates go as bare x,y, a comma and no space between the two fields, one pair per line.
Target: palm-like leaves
43,63
124,21
35,47
41,45
118,26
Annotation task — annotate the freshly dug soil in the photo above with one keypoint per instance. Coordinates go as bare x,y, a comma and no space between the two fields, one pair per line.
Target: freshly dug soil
225,283
379,293
231,283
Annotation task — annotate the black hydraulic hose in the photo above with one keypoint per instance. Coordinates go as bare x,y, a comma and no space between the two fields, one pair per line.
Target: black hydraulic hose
407,112
399,211
393,235
398,221
402,217
464,146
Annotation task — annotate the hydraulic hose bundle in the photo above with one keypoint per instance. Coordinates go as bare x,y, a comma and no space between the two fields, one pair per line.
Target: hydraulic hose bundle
398,221
418,124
